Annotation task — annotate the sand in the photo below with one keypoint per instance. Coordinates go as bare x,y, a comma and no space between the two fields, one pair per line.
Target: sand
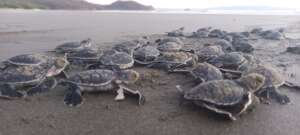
163,114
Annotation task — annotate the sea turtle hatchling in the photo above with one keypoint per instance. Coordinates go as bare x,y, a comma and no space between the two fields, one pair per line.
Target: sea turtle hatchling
146,54
273,81
73,46
227,97
113,58
84,56
169,39
25,60
128,46
176,33
171,60
202,72
55,65
170,47
209,52
100,80
231,60
27,80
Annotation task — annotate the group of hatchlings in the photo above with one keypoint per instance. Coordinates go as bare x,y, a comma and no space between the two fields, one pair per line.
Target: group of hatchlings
229,78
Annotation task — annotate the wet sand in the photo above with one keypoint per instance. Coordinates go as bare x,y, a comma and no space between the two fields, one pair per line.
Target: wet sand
29,32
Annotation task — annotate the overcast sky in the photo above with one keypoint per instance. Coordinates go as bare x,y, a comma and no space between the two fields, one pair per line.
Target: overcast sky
211,3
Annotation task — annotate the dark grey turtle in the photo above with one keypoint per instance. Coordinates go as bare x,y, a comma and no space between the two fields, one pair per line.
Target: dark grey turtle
128,46
272,34
209,52
202,72
26,80
176,33
73,46
231,61
226,45
256,31
227,97
113,59
85,56
202,32
25,60
170,47
294,50
273,81
146,54
242,45
55,65
169,39
172,60
100,81
217,33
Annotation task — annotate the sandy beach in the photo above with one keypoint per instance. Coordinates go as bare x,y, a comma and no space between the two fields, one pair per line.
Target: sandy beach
39,31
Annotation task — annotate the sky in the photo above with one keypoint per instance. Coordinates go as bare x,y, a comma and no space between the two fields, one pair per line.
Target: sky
211,3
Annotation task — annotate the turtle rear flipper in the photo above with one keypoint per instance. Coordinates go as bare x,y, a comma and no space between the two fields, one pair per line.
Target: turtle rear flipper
271,93
8,92
45,86
140,96
73,96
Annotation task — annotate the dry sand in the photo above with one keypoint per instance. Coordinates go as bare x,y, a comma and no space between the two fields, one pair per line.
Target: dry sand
29,32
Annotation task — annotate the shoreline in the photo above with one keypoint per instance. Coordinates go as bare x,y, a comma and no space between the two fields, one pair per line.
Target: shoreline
291,12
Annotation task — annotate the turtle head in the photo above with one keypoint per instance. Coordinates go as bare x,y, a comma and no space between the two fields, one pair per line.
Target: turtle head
59,65
86,43
128,76
253,81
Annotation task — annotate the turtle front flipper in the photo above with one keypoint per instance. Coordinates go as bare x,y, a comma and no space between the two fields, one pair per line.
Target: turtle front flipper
271,93
45,86
140,96
291,85
218,111
73,96
62,75
9,92
3,65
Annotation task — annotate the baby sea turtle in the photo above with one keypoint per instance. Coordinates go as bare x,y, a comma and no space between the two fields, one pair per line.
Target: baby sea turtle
85,56
73,46
169,39
170,47
25,60
176,33
227,97
272,34
54,64
273,81
242,45
127,46
25,80
217,33
101,81
172,60
231,60
209,52
113,58
146,54
294,50
226,45
202,72
202,32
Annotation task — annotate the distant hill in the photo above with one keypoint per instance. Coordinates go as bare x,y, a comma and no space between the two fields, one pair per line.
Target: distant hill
72,5
127,5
